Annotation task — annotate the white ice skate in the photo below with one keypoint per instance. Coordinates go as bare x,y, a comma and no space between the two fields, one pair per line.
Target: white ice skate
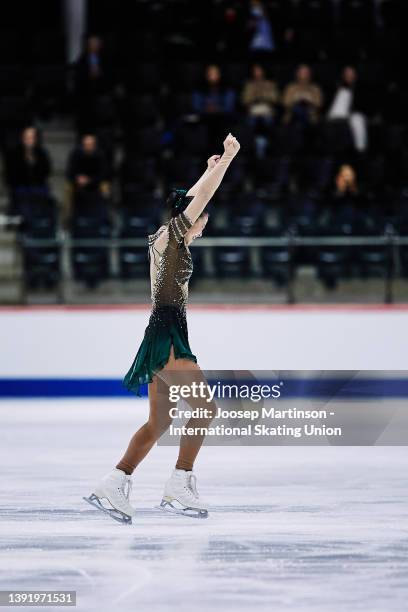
181,495
114,488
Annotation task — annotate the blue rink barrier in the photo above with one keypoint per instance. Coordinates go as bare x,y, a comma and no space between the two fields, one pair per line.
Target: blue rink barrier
65,387
347,387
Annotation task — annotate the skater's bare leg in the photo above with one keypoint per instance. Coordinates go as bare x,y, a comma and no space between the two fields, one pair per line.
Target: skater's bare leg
180,492
149,433
190,445
186,372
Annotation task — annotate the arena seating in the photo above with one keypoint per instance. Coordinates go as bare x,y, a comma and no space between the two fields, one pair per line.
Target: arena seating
147,114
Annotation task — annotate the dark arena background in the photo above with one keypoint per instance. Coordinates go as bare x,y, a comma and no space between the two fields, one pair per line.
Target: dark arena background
316,208
105,107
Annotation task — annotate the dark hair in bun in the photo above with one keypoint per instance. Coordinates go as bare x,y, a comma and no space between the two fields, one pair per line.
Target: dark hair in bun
177,201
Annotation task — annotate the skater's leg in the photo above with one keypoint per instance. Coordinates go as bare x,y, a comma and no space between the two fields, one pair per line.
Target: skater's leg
180,492
149,433
187,372
159,419
190,445
115,487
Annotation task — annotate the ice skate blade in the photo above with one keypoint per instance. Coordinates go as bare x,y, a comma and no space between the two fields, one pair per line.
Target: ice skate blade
118,516
174,507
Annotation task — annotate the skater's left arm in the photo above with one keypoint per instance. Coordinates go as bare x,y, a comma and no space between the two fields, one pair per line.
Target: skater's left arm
211,181
211,163
206,187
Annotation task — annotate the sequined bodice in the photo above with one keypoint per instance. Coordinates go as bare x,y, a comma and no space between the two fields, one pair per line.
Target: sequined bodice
171,269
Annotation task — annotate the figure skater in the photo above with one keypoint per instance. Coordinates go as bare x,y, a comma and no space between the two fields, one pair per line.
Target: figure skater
165,351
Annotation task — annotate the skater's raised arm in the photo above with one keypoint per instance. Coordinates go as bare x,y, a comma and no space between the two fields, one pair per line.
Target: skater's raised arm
200,194
211,162
210,181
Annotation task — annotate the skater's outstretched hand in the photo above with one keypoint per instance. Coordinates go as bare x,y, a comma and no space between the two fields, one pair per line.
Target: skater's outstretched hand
212,161
231,146
204,190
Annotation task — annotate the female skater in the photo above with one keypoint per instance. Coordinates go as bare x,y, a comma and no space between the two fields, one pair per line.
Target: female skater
165,350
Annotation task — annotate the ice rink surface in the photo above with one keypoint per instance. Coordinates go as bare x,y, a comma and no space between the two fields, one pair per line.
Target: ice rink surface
307,528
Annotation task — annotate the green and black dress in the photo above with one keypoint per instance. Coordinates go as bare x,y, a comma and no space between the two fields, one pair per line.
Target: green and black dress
170,272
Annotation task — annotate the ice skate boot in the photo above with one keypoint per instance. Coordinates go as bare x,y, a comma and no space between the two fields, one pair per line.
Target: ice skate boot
111,495
181,495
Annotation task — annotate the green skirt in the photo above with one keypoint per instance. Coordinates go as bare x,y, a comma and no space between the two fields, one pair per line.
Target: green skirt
167,327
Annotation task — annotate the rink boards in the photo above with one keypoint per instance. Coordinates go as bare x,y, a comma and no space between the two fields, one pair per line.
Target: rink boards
81,351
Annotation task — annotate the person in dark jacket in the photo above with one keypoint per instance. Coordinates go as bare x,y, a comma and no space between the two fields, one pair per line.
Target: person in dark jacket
347,203
93,70
28,167
93,79
87,173
214,102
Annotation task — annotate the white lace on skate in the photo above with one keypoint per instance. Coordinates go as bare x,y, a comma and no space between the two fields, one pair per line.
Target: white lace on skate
126,489
123,491
191,487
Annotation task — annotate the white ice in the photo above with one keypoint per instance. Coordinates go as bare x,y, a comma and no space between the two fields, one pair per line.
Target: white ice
308,528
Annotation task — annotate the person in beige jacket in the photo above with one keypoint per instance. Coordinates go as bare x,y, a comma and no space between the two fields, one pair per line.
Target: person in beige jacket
260,95
302,99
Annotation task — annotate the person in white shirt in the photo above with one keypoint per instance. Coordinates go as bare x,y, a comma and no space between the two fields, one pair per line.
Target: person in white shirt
348,104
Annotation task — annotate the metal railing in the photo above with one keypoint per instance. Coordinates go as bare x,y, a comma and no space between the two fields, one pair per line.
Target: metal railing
391,241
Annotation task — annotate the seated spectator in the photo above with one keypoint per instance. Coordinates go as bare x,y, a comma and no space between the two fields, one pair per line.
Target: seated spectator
28,167
347,200
346,181
260,96
93,70
87,174
213,98
262,41
214,102
348,103
302,98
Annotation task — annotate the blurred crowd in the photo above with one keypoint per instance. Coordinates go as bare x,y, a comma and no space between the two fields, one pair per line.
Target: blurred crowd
313,89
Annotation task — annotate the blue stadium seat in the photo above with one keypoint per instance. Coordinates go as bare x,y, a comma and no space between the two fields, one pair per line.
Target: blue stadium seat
232,262
41,263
